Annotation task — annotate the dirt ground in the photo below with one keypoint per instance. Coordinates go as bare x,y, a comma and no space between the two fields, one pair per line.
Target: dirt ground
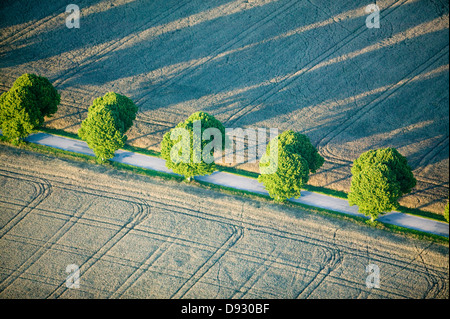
311,66
139,237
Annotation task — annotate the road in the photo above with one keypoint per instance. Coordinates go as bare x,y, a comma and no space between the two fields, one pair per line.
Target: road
245,183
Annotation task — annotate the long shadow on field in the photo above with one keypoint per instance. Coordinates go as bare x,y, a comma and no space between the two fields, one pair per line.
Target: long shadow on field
23,12
189,61
33,31
248,78
380,100
107,26
413,119
209,67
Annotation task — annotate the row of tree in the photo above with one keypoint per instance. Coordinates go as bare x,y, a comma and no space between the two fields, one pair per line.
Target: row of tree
31,98
379,177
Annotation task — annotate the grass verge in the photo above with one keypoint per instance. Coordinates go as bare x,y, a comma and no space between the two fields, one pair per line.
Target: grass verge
144,171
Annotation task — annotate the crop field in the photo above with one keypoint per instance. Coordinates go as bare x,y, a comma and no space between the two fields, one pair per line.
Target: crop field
139,237
311,66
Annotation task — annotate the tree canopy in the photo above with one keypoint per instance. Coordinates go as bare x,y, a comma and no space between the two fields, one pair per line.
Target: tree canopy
23,108
379,178
295,160
296,143
184,149
109,118
446,212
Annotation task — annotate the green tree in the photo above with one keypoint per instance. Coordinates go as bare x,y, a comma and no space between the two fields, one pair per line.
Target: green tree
291,175
379,178
296,143
109,118
24,107
446,213
296,159
180,151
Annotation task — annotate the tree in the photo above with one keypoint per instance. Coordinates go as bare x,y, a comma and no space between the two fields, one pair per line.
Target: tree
446,212
24,107
185,149
379,178
296,159
291,175
296,143
109,118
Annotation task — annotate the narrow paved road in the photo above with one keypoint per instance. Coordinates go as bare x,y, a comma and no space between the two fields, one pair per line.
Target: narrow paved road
245,183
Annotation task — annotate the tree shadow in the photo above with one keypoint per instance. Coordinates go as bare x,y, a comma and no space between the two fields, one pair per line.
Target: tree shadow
116,23
15,13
